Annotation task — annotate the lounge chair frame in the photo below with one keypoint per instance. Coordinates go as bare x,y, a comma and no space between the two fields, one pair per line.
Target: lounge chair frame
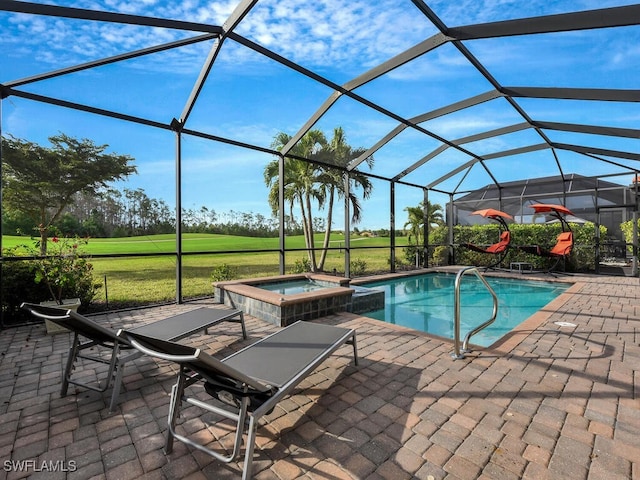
252,377
560,251
89,335
500,249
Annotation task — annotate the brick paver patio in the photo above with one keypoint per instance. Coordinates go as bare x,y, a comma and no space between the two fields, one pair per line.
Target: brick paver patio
550,402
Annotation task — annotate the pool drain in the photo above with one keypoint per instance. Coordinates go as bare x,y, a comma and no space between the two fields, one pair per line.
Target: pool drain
565,324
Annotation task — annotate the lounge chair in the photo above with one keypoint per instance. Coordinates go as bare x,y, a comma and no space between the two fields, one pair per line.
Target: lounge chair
116,351
501,249
496,249
560,251
247,384
564,241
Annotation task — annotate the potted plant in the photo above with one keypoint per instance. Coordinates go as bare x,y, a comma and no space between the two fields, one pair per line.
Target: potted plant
67,274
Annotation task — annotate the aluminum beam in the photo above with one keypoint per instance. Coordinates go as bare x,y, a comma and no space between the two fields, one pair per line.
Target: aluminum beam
6,92
110,60
597,151
565,22
432,154
610,162
597,94
505,153
405,57
516,151
453,172
382,69
461,141
232,22
85,14
439,112
590,129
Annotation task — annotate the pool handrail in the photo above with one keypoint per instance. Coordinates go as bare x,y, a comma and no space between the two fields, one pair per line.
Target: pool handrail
459,352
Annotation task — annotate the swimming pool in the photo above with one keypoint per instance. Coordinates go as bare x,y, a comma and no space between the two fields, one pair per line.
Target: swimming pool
426,303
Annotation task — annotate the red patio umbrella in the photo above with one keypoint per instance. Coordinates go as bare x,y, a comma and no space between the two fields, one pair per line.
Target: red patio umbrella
549,207
492,213
555,210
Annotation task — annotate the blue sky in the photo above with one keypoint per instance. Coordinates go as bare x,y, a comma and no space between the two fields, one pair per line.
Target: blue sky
250,98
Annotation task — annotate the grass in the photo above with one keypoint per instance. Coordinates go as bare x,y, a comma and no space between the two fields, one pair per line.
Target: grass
148,279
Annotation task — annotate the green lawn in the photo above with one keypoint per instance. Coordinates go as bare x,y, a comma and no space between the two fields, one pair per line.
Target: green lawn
131,280
198,242
191,242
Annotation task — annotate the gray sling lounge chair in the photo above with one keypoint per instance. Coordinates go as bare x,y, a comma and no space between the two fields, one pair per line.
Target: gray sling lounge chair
88,334
248,384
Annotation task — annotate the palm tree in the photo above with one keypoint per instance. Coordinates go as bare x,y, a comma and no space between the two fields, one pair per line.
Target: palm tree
415,222
340,153
307,182
416,216
301,182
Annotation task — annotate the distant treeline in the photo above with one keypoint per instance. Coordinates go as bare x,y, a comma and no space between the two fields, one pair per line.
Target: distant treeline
132,213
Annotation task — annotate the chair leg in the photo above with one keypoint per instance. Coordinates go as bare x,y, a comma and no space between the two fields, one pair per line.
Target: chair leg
244,330
174,410
73,354
248,454
117,381
355,349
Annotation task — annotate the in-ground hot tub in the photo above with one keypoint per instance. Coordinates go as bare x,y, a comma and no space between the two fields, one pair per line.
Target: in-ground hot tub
282,300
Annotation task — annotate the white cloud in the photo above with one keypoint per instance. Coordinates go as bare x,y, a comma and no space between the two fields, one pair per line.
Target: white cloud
350,35
325,33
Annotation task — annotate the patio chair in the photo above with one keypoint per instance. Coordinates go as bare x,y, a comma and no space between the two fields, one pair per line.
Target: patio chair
564,241
115,351
559,252
247,384
501,249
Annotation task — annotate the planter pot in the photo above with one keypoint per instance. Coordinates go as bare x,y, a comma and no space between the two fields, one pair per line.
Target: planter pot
67,304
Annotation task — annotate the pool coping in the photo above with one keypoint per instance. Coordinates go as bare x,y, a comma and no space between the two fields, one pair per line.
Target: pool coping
518,334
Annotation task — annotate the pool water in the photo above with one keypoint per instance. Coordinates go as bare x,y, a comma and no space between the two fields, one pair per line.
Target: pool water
426,303
291,287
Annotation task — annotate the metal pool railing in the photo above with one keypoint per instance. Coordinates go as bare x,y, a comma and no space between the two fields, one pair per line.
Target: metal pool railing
459,352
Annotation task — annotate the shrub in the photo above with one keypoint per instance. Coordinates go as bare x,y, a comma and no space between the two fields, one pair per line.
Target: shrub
399,262
18,286
410,252
440,255
582,257
65,272
627,231
358,267
224,272
301,266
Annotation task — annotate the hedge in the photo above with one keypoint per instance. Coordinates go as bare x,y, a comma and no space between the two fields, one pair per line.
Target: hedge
582,258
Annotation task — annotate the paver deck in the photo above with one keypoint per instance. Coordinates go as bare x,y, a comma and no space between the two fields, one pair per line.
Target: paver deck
552,401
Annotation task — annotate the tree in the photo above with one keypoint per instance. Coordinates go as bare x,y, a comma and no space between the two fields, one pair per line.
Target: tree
340,153
416,217
301,183
40,182
307,182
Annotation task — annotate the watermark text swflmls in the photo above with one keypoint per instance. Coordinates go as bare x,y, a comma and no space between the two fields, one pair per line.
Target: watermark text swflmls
43,466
